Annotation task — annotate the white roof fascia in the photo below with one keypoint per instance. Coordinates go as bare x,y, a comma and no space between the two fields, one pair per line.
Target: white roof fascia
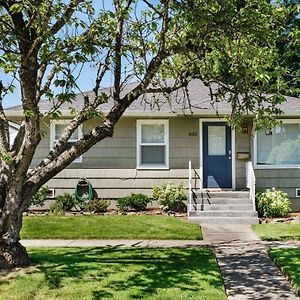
198,112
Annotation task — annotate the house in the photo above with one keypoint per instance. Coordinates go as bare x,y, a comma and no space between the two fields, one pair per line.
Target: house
13,131
157,141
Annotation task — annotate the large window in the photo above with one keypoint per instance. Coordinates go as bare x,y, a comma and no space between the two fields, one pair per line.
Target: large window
56,130
152,144
279,147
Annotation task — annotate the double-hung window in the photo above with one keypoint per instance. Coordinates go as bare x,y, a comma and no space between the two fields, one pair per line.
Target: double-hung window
153,144
56,130
278,147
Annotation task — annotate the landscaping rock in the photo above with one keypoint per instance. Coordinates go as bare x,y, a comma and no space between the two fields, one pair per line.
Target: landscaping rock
148,212
291,218
295,220
86,213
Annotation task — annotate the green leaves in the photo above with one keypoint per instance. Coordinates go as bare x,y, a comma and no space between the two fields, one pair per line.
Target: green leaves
6,157
246,48
233,46
18,7
56,115
28,113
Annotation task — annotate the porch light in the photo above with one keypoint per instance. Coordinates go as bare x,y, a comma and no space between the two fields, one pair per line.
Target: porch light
268,132
245,129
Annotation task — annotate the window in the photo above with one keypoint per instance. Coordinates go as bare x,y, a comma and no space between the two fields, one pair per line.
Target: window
279,147
152,144
216,140
56,130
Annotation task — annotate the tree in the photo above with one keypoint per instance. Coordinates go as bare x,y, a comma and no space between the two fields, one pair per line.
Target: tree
289,47
230,46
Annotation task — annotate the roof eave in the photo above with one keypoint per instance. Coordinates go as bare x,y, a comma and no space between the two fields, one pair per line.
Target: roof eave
199,112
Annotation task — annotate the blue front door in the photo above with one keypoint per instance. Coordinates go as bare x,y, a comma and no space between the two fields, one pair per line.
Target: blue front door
217,155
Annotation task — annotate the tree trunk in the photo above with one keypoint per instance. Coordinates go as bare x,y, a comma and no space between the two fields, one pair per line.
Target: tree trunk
12,253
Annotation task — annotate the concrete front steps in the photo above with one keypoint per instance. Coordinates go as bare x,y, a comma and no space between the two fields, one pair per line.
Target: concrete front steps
222,207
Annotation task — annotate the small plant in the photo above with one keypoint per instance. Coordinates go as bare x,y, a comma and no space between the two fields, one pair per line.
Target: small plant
135,201
40,197
272,203
66,201
57,209
97,205
170,196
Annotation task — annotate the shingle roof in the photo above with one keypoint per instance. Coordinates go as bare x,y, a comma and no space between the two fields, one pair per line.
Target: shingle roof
198,94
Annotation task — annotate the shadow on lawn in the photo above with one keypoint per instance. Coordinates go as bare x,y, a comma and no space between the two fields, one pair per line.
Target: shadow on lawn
288,260
247,270
142,270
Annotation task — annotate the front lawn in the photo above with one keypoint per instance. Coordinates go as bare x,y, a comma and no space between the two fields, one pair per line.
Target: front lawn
288,260
117,273
109,227
277,231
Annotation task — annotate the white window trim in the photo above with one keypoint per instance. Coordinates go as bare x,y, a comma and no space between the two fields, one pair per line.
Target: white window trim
139,123
52,135
265,167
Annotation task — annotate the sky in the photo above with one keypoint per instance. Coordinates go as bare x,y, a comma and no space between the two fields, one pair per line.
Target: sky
86,81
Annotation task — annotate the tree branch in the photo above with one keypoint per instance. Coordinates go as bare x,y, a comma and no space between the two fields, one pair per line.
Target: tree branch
61,22
105,129
18,140
167,89
4,126
117,51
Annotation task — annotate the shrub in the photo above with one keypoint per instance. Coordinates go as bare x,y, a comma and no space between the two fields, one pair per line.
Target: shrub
40,197
170,196
57,208
66,201
135,201
272,203
97,205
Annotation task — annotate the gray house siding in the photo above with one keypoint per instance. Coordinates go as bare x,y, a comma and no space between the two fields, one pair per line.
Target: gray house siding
119,152
242,144
111,164
285,179
113,183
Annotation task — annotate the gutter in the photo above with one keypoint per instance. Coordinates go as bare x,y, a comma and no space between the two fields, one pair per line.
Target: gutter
158,114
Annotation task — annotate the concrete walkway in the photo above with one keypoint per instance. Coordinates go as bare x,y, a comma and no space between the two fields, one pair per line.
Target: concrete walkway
115,243
227,233
247,270
284,244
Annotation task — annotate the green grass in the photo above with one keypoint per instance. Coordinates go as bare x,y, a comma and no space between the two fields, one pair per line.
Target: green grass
109,227
117,273
278,231
288,260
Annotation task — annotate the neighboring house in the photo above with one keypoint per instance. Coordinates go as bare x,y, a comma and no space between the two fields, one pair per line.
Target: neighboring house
154,143
13,131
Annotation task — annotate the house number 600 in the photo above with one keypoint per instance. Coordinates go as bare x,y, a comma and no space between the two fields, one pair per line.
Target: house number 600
194,133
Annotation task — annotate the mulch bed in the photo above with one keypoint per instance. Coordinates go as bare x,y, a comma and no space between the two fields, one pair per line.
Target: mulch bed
293,217
150,211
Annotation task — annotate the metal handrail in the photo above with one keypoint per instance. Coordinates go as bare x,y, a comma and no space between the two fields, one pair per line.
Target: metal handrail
251,182
190,188
196,176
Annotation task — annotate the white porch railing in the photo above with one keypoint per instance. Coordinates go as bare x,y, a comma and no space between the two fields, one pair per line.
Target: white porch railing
250,178
190,188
